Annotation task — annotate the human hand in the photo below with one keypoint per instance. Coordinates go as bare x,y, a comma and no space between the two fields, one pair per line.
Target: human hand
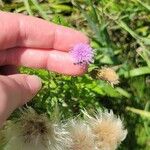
32,42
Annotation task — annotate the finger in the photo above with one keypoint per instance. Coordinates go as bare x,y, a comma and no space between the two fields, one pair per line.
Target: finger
8,70
56,61
24,31
16,90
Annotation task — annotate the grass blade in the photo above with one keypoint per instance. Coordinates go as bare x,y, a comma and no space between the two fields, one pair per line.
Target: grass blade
143,4
27,6
41,11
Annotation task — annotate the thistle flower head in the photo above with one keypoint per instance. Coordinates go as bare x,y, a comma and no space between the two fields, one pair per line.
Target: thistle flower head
82,54
81,135
109,75
108,130
33,131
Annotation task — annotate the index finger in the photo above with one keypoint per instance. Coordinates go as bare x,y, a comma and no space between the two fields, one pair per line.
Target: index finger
25,31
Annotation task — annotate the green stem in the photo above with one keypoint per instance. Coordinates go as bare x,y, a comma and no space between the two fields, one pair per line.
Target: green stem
139,71
139,112
145,121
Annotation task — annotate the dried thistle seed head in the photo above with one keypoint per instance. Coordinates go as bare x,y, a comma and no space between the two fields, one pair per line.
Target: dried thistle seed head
108,130
36,128
34,131
81,135
109,75
15,139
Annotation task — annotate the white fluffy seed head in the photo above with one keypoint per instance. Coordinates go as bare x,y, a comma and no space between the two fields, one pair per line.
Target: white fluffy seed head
33,131
108,130
81,135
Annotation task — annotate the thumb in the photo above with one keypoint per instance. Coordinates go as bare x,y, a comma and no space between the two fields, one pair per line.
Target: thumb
16,90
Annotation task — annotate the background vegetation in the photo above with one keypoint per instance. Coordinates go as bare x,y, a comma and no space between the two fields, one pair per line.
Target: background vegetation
120,35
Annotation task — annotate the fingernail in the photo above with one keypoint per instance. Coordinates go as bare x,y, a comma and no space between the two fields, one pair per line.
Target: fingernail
34,83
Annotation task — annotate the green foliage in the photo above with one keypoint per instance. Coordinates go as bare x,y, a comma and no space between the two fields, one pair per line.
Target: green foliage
120,35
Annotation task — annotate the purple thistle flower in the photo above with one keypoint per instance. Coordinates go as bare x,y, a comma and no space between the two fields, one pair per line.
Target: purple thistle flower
82,54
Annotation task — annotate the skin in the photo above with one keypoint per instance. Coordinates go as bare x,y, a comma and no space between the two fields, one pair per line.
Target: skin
32,42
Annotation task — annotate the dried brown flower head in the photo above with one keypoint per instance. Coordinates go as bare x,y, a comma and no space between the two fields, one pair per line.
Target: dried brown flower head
108,130
108,74
81,135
